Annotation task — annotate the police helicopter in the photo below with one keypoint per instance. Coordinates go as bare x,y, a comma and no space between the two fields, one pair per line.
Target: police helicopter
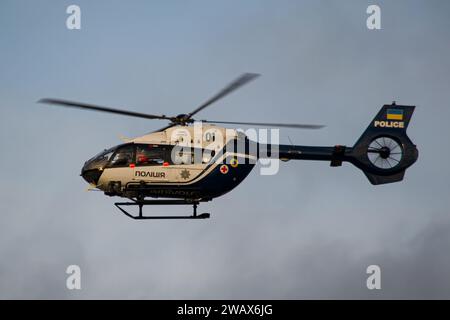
189,161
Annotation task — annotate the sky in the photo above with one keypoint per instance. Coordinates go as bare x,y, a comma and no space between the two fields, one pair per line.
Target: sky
308,232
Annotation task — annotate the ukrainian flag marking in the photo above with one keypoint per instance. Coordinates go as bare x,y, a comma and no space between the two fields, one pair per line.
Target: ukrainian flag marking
394,114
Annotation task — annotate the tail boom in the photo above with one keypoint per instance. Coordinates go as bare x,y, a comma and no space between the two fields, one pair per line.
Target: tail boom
383,152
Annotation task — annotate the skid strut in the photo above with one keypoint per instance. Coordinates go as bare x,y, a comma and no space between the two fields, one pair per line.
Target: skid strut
142,203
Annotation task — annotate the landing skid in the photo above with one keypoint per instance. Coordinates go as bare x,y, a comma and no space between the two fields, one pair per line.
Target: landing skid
142,203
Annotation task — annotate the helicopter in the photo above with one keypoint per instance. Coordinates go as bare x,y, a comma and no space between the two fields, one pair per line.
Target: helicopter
189,161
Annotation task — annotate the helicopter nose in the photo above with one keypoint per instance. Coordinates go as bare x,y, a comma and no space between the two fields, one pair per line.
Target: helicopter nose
91,175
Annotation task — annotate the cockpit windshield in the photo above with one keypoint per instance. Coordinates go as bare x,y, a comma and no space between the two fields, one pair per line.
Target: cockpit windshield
100,160
103,156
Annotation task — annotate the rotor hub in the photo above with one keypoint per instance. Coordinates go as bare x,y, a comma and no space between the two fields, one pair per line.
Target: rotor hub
385,152
182,119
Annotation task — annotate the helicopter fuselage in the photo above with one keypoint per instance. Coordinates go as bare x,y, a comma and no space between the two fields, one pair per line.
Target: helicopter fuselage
163,165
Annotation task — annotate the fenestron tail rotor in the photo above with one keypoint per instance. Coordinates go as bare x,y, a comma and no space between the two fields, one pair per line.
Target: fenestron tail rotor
385,153
183,119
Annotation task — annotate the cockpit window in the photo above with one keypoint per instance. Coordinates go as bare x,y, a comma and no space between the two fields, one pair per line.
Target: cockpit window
104,156
123,156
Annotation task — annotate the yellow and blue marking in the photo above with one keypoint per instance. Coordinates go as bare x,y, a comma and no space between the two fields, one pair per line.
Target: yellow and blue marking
394,114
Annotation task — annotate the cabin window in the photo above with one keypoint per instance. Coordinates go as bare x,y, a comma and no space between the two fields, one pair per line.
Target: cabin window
207,155
184,156
193,156
152,155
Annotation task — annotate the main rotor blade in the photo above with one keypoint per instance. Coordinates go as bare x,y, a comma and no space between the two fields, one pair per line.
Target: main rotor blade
264,124
236,84
72,104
